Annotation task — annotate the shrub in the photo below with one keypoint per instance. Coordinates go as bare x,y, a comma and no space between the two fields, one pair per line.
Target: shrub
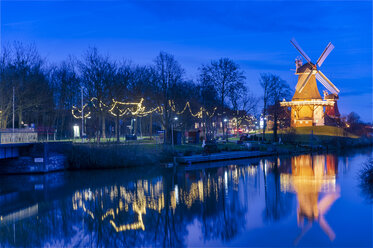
93,156
366,180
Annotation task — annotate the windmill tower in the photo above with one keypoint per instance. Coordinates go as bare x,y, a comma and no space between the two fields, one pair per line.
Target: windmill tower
307,105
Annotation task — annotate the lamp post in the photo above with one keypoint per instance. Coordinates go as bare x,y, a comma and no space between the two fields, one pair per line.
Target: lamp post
172,132
82,114
13,118
226,130
133,126
76,131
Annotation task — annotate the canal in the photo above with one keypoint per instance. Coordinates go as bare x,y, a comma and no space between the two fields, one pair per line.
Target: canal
288,201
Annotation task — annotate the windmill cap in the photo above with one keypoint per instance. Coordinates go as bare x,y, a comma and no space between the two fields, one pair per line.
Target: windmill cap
306,68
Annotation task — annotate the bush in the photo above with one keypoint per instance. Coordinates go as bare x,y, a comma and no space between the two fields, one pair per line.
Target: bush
289,136
94,156
366,177
210,148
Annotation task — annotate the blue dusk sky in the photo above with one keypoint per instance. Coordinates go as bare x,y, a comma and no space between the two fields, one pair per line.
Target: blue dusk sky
255,34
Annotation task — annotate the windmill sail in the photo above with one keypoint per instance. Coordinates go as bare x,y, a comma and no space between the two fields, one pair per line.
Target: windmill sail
296,45
303,84
325,54
326,82
323,82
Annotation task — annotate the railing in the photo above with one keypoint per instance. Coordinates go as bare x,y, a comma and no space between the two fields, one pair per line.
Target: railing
8,136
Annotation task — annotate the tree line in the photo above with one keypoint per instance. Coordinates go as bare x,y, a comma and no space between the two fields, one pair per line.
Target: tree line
45,93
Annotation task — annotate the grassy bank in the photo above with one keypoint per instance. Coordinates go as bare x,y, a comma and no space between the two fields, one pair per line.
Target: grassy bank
147,153
92,156
106,155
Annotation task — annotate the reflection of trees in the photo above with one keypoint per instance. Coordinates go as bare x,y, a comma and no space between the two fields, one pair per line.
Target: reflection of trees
217,202
278,204
110,209
42,228
222,218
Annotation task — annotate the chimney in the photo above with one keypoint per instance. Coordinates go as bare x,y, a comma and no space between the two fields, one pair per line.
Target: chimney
298,63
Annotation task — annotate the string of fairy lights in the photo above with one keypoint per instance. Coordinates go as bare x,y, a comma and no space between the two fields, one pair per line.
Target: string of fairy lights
118,108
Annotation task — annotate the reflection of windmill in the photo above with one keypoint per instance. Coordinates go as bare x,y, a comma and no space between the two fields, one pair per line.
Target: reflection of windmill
321,209
310,176
307,105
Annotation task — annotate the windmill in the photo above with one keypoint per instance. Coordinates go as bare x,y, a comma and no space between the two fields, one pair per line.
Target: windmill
307,105
310,69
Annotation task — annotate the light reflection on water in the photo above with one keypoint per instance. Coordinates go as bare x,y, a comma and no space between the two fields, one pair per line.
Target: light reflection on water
286,201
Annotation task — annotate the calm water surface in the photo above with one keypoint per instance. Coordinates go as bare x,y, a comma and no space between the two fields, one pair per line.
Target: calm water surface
278,202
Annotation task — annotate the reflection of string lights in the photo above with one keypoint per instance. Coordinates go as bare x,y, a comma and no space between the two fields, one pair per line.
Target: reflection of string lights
150,196
20,214
134,226
140,202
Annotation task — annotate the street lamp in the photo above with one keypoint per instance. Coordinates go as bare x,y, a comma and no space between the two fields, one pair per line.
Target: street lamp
172,131
133,126
226,131
76,131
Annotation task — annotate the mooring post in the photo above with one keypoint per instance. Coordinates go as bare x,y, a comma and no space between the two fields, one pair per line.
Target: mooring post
46,156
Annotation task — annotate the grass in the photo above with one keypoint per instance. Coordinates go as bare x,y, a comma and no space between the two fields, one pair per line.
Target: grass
92,156
320,134
325,131
109,154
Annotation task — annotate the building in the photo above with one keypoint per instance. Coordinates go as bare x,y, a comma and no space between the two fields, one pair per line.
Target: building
308,108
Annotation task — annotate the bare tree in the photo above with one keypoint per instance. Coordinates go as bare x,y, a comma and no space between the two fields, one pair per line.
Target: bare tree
120,91
23,70
5,85
281,90
227,79
98,73
266,83
275,89
168,73
208,98
244,105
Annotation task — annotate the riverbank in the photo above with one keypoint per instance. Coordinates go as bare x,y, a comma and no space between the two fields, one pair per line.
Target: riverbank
102,156
53,156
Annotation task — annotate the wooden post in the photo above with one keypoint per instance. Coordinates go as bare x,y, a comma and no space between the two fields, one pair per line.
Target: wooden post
151,126
46,157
